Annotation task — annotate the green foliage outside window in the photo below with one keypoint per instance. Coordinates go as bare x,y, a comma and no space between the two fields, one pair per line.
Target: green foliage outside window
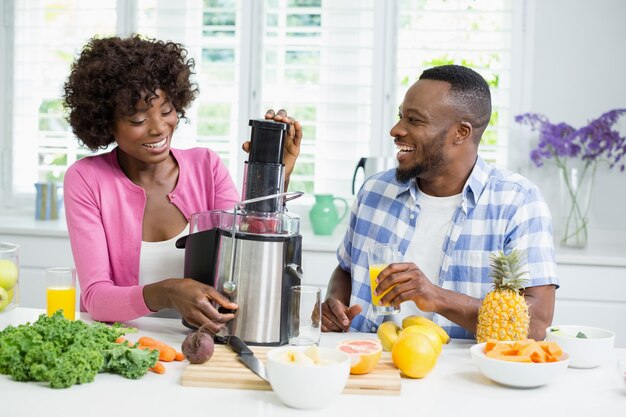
271,20
304,113
218,19
214,119
51,116
302,57
218,33
304,3
219,3
220,55
54,163
304,20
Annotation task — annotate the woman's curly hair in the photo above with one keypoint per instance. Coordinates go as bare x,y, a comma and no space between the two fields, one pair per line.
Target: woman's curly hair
110,76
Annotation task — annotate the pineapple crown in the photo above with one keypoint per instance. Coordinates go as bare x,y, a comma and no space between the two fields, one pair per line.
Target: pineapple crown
505,270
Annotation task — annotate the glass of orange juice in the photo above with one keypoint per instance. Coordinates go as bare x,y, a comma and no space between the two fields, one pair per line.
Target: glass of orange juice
379,257
61,291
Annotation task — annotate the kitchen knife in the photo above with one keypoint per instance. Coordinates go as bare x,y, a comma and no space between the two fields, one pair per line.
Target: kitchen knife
246,356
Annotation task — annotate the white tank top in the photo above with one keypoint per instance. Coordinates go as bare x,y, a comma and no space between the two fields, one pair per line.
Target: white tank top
426,248
159,261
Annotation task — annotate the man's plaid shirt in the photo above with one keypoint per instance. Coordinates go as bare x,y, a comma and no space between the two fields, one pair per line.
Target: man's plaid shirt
499,210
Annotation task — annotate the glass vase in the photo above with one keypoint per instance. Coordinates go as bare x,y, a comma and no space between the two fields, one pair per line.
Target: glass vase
575,190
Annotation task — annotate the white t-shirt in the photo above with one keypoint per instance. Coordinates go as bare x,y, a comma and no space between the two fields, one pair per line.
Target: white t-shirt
426,248
161,260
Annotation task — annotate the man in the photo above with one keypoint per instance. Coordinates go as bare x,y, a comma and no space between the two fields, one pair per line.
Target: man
448,210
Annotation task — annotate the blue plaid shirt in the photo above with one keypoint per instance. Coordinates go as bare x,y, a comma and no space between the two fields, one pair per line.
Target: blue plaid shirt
499,210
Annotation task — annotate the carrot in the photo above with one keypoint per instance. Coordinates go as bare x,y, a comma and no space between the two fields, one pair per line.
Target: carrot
166,352
179,356
524,351
491,343
123,341
148,341
158,368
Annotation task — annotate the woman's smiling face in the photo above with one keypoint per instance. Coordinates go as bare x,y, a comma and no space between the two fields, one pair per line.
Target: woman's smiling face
146,135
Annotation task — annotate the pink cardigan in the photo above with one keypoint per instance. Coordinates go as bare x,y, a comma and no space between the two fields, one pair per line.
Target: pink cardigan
104,212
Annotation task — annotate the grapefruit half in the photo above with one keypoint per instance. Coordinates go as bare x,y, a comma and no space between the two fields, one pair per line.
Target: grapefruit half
365,354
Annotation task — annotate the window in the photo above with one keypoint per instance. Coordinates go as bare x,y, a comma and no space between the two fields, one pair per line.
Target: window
317,63
476,34
46,36
341,67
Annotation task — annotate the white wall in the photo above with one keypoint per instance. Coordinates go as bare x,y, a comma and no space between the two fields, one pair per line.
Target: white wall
574,69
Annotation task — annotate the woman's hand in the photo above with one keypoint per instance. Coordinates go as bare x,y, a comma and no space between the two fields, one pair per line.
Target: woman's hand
192,299
292,140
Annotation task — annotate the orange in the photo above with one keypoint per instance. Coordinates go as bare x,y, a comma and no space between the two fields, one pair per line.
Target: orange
414,354
429,332
365,354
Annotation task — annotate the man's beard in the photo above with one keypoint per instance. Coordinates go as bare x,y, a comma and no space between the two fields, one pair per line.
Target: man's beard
432,161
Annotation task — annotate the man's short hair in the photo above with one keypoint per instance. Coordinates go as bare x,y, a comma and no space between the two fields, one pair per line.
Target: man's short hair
469,90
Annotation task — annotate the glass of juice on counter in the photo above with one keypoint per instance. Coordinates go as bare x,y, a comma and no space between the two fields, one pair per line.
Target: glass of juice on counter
379,257
61,291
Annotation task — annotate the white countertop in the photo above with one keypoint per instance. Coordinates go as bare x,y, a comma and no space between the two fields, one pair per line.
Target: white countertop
454,388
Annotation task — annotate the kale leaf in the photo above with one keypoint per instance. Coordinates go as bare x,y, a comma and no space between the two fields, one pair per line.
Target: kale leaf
62,352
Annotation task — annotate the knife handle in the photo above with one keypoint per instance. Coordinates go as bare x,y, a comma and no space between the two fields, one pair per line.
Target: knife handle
238,346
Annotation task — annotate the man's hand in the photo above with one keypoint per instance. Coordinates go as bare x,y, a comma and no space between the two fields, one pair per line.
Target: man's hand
336,316
409,284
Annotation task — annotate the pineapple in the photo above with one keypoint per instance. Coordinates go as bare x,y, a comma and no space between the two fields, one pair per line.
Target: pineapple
503,314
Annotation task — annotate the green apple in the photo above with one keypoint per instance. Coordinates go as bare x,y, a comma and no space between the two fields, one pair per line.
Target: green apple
8,274
5,299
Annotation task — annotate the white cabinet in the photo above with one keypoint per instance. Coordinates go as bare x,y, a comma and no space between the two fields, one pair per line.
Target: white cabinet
593,296
317,267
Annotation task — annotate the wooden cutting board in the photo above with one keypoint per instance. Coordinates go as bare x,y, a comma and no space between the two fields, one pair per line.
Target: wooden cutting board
225,371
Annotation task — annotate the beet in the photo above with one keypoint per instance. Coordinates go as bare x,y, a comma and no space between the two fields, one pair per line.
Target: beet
198,346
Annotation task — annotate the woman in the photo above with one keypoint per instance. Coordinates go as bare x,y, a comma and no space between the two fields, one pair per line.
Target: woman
126,208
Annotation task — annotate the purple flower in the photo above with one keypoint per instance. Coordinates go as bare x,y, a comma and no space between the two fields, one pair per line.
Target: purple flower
596,141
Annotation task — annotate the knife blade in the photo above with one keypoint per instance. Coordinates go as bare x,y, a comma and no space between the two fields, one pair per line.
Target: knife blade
246,356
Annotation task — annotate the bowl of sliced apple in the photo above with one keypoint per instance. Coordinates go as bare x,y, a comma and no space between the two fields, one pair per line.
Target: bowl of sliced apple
307,377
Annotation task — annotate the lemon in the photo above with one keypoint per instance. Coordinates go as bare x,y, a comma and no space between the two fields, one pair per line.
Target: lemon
414,354
388,334
429,332
419,320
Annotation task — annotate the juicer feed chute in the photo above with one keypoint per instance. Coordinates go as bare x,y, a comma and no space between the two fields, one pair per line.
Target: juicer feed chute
264,171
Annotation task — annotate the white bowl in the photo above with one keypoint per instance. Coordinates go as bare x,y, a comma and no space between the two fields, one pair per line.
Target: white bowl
308,387
517,374
584,353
